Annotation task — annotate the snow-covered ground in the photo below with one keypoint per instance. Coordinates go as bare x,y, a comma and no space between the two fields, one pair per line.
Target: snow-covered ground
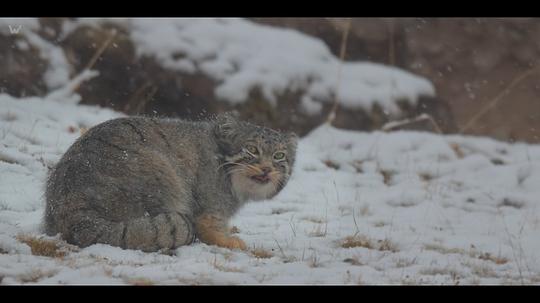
360,208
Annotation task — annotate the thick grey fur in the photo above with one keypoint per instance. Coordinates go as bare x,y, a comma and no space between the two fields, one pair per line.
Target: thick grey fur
139,182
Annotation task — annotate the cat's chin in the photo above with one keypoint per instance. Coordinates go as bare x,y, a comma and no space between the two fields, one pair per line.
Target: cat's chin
254,189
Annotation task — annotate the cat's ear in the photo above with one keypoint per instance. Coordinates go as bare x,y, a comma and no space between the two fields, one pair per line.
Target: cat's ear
292,141
225,129
226,123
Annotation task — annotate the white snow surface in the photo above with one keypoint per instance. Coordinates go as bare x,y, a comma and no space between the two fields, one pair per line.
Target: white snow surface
58,68
420,208
241,55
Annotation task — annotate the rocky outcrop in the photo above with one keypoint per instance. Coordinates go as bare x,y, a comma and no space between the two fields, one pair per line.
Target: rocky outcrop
140,85
469,60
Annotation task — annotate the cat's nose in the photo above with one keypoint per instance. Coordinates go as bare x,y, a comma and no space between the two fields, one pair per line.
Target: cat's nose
266,170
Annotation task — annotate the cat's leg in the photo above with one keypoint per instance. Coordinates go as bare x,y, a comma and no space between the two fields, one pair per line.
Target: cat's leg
164,231
212,229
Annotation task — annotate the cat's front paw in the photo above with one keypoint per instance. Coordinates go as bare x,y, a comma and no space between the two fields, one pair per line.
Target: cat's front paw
232,243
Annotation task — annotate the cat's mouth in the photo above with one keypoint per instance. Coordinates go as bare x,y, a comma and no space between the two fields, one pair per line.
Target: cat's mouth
261,179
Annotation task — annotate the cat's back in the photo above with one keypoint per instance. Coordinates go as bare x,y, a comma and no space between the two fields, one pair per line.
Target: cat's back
125,159
168,136
123,147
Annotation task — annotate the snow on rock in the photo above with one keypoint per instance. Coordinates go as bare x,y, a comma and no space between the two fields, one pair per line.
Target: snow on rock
360,208
58,69
241,56
244,55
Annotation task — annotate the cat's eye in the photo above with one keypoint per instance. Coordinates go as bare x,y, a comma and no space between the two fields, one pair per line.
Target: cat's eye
252,149
279,155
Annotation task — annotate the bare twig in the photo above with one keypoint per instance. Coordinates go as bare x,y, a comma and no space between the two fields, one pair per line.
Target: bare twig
391,42
401,124
435,124
280,249
148,90
516,260
291,224
342,51
494,102
97,54
101,49
355,224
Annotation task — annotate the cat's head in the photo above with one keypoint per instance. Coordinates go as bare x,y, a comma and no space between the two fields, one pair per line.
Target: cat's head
257,159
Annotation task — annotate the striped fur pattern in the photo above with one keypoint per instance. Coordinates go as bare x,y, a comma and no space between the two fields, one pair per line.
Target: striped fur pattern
157,184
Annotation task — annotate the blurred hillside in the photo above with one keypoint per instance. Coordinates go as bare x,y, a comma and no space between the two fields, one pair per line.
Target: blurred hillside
469,60
156,71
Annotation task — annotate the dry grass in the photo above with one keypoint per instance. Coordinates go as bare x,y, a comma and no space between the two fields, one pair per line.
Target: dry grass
139,281
35,275
497,161
495,259
317,220
499,260
404,262
320,231
380,224
314,261
511,203
364,210
281,210
457,150
331,164
444,250
387,176
357,241
45,247
483,271
71,129
426,177
224,268
357,164
261,253
386,245
363,241
433,271
354,261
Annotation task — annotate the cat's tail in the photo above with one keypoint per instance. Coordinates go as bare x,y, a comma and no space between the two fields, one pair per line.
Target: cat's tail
161,232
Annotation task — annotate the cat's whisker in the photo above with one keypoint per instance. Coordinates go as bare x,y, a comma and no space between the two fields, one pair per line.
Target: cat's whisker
235,170
251,168
223,165
274,173
228,163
